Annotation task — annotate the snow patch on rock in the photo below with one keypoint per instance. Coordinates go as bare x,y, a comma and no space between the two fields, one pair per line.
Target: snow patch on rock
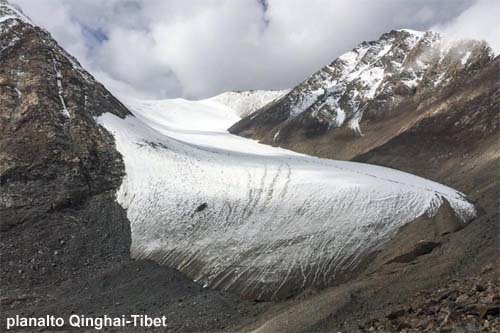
60,90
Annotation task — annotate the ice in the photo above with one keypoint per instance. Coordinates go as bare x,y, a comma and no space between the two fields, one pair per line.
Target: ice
229,211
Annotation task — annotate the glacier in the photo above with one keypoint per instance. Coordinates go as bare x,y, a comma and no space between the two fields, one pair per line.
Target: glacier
246,102
258,220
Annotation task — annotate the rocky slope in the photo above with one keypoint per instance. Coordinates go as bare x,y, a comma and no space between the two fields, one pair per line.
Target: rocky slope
57,167
472,304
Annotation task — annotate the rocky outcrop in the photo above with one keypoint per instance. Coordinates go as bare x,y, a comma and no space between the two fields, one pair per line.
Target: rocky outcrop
58,169
469,305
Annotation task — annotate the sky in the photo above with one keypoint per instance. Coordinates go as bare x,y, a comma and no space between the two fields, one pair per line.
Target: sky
199,48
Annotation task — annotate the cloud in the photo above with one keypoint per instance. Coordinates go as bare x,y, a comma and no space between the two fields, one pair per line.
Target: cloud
198,48
480,21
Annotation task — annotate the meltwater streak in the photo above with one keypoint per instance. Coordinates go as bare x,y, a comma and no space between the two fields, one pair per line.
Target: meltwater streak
235,214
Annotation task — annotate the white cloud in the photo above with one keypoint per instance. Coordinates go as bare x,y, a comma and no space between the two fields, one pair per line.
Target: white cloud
480,21
197,48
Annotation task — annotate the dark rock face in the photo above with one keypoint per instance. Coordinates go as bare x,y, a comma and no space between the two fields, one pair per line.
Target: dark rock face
58,170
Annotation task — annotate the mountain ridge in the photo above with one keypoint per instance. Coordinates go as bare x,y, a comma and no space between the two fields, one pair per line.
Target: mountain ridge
368,82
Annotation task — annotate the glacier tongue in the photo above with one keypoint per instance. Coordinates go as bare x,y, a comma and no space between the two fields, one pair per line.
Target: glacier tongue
235,214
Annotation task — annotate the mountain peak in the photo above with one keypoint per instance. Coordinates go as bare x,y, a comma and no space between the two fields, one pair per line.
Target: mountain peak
9,11
413,32
372,79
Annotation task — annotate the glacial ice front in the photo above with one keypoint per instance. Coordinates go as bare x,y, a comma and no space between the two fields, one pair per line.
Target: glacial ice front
235,214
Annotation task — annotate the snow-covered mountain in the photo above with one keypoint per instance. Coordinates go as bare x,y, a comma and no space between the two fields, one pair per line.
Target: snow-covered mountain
235,214
247,102
232,213
227,211
369,82
10,12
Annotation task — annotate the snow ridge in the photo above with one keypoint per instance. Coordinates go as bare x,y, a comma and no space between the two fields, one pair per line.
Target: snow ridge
246,102
8,11
374,75
234,214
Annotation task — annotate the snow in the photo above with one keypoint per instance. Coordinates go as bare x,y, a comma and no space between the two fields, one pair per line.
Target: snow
7,17
13,41
306,101
416,33
18,93
246,102
412,78
465,58
60,90
372,79
340,118
439,79
354,123
8,11
358,74
368,72
269,212
276,135
352,58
